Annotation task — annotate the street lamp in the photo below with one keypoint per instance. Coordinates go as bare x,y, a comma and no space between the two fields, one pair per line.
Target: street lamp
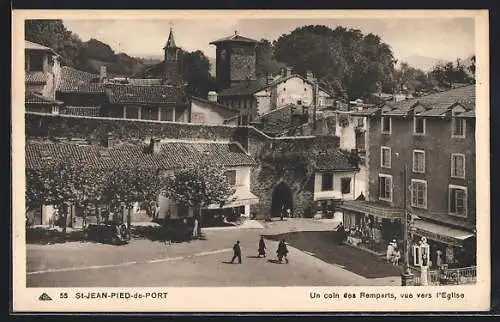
421,257
406,276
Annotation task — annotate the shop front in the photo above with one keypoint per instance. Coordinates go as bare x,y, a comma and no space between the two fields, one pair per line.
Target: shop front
450,247
233,210
371,225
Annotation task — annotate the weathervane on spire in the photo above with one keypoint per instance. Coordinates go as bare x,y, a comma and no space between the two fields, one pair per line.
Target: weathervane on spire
236,32
171,24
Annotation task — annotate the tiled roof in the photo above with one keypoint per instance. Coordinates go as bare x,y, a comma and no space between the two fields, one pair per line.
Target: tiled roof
34,98
28,45
147,94
334,161
465,95
471,113
144,81
76,81
244,88
234,38
215,104
172,155
36,78
435,104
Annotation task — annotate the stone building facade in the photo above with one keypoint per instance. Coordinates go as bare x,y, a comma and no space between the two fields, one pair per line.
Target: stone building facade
289,161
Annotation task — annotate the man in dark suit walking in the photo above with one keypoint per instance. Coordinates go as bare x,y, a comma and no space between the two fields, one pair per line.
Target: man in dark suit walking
236,252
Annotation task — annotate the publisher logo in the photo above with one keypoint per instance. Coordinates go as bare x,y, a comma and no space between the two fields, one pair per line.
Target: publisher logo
44,297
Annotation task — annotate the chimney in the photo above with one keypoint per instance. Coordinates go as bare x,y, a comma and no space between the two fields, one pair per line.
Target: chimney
288,71
103,74
155,145
310,76
108,140
212,96
269,79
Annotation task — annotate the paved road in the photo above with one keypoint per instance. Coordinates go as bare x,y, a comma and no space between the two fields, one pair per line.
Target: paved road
197,263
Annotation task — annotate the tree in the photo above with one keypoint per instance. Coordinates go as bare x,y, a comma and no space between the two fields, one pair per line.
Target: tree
53,34
196,73
89,187
265,63
350,62
55,183
446,74
199,186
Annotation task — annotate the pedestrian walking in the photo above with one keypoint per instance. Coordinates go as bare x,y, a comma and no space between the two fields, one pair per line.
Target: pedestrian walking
262,247
282,213
195,228
341,234
282,251
289,213
236,252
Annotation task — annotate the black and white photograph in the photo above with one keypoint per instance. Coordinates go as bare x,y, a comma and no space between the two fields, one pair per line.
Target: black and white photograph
252,151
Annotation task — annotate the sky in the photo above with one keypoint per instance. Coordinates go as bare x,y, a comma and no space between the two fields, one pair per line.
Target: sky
441,38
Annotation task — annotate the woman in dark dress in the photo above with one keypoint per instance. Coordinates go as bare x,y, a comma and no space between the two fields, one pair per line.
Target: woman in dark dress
262,247
282,251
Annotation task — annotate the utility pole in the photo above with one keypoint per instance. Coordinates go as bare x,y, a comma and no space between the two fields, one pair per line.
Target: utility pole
406,276
315,102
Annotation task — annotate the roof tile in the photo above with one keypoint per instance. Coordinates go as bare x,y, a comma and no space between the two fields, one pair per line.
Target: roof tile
36,78
144,94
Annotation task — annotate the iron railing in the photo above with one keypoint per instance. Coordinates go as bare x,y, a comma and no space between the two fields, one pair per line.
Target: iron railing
449,276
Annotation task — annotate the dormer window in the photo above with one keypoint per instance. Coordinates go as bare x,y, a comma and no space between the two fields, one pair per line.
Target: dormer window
457,127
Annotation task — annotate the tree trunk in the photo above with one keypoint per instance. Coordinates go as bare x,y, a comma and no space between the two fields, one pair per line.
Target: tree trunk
84,222
199,222
129,220
97,214
65,221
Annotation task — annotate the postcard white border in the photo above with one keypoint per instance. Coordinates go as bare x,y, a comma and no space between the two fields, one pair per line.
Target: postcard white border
253,299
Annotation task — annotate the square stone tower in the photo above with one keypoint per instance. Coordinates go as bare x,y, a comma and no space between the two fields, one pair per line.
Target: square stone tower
235,60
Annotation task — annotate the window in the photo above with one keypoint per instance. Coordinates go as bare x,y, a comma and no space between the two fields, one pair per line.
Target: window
457,127
345,184
385,157
167,114
386,125
418,161
361,122
36,62
457,165
327,182
458,200
149,113
131,112
385,187
418,126
231,177
55,110
418,193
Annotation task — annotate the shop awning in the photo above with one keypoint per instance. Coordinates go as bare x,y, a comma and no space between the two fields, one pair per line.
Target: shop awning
441,233
240,198
371,208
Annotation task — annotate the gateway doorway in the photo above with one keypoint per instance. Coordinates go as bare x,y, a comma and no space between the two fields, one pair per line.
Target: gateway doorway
282,197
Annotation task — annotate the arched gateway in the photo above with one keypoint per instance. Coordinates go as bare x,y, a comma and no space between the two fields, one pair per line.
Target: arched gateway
282,197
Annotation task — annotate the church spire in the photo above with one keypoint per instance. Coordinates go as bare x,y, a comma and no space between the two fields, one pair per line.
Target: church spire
171,40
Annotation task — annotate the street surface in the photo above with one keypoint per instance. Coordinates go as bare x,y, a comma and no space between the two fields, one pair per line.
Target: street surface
314,260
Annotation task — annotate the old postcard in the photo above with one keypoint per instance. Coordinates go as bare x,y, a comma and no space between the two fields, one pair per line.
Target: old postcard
225,161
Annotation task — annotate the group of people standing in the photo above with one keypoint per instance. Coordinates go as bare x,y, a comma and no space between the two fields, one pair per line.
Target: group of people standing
282,251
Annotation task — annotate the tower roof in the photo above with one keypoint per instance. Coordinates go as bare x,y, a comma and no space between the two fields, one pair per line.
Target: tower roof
171,40
234,38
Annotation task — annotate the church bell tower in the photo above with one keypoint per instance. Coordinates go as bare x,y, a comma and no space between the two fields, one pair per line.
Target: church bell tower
172,61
